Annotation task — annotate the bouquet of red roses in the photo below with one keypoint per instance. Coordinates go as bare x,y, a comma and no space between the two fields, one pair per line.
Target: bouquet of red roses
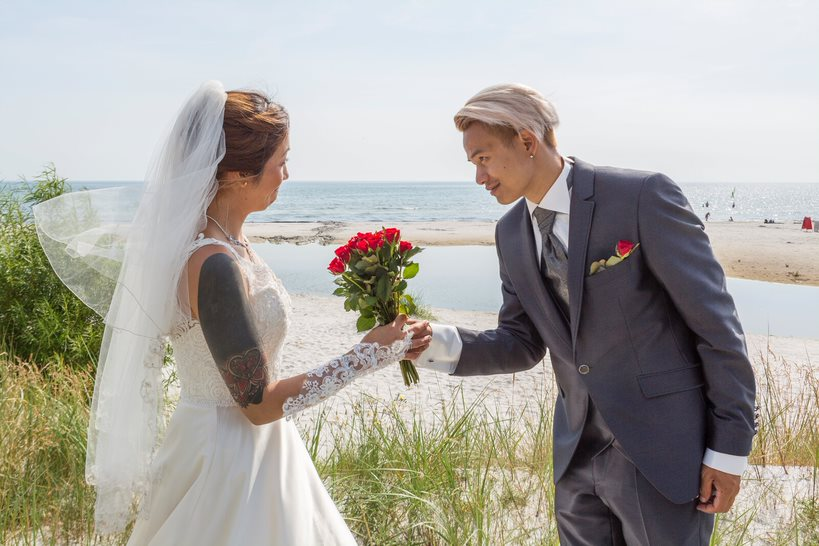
371,273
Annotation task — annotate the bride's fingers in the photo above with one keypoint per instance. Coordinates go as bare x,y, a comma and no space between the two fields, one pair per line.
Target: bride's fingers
420,342
400,321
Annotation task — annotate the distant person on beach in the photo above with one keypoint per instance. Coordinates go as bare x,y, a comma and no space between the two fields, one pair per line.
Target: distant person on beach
610,271
707,216
230,469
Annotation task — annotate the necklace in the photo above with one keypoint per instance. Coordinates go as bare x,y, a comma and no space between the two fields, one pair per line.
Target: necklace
230,237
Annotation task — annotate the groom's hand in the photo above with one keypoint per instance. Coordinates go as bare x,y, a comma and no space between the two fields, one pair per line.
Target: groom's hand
421,333
717,490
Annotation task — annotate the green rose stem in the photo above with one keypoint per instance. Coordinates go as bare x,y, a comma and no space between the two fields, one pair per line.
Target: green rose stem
389,312
408,370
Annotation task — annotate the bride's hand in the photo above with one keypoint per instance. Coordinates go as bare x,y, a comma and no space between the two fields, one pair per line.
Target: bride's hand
387,334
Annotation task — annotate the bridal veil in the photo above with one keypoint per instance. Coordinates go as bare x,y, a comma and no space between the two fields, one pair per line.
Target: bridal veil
124,251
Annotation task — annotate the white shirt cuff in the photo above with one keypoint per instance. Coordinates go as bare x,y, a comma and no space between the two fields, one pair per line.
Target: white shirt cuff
731,464
444,350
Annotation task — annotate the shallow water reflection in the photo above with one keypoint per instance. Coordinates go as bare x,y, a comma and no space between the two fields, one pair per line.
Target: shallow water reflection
466,277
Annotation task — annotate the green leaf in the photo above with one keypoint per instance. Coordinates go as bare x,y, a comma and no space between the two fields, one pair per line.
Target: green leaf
347,306
339,291
408,310
354,290
371,300
365,323
401,286
359,267
411,270
382,290
412,252
408,304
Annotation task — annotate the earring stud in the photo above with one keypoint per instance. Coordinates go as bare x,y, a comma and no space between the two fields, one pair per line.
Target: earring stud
531,156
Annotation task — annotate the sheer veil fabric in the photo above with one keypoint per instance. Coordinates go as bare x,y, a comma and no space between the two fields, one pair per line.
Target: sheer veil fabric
123,251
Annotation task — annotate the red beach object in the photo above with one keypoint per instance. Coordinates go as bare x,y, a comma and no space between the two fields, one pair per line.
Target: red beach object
807,223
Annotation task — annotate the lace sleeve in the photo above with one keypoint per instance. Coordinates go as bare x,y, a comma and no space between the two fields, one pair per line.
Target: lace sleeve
326,380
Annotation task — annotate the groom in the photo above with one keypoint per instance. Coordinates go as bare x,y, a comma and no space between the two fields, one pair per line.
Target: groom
655,413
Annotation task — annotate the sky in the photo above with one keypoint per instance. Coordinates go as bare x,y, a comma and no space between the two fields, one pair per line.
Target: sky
702,90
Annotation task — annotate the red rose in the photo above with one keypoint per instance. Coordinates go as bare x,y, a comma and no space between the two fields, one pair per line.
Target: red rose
362,245
336,267
375,240
624,248
343,253
391,234
404,246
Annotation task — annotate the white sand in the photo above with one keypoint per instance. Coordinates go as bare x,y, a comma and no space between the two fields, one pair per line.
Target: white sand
321,329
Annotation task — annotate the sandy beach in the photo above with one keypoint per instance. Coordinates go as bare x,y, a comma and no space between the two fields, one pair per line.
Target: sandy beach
780,253
320,330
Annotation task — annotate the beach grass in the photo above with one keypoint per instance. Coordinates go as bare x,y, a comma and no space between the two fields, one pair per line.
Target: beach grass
471,474
43,496
474,475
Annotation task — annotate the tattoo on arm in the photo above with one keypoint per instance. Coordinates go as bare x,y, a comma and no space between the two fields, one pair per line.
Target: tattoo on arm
227,324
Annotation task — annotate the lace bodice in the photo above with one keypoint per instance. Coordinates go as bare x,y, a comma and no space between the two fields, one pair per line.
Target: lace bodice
199,378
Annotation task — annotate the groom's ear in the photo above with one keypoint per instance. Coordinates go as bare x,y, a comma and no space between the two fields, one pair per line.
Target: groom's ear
529,141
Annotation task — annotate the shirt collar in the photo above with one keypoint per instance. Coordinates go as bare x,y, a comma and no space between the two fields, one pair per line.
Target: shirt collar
557,198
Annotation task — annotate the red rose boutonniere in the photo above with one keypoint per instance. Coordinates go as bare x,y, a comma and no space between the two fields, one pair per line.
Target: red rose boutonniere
622,251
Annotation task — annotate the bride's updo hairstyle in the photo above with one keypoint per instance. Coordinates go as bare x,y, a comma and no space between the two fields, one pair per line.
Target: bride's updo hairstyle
254,127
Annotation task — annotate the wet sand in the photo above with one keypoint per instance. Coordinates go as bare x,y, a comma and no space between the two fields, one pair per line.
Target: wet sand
780,253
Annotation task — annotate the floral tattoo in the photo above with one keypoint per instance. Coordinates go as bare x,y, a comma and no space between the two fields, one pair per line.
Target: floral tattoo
245,376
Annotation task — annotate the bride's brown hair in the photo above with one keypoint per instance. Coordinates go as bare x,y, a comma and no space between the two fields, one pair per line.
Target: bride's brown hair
254,127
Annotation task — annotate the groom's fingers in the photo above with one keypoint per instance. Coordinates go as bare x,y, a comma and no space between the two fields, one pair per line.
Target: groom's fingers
706,485
419,345
418,342
717,490
419,328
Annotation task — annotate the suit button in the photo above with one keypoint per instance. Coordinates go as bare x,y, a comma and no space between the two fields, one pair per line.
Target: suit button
583,369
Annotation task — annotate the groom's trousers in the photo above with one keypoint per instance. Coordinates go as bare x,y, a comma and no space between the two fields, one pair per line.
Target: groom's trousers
603,499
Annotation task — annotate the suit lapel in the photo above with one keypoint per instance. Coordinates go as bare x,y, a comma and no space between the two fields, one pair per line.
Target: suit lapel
580,220
530,269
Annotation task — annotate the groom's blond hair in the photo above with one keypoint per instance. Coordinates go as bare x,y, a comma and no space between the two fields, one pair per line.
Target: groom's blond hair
509,108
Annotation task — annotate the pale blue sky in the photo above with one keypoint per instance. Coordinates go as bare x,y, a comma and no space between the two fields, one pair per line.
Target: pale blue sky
703,90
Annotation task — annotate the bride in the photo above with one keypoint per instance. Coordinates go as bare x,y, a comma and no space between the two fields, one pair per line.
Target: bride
228,469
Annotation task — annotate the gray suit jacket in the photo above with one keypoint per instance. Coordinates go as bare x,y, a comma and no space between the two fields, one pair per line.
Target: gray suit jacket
667,364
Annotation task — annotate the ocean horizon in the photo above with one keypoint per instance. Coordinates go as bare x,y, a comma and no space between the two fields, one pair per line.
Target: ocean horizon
367,201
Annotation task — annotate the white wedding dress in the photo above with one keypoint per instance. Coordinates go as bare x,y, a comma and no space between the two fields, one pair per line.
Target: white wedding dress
222,480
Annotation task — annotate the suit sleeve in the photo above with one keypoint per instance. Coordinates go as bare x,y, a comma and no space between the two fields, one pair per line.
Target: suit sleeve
512,347
678,252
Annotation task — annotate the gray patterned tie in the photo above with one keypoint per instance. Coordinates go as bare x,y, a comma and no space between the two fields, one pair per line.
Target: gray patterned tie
554,259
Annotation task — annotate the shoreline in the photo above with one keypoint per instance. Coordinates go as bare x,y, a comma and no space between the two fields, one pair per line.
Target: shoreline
780,253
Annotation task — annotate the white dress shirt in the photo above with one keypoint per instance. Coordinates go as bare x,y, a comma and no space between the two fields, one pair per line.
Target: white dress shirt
558,199
445,348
